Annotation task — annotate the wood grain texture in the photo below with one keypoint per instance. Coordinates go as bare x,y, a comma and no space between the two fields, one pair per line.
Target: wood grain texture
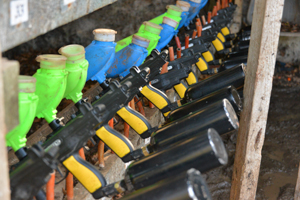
4,183
258,85
44,16
236,24
10,74
297,188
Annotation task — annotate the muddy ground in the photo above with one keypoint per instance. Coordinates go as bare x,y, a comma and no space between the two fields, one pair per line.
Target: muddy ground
281,150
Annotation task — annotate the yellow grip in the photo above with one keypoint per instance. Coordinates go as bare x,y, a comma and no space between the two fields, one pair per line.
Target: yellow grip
202,65
157,97
134,119
87,174
167,113
180,89
208,56
116,141
191,79
225,31
218,44
221,37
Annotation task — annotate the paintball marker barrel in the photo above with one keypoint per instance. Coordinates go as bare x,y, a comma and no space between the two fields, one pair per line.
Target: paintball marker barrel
220,116
234,76
186,185
229,93
203,153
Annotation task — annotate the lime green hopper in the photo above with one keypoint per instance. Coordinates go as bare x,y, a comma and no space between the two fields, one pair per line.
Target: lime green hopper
28,101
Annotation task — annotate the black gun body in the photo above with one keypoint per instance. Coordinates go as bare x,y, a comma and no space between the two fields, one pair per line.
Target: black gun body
232,63
180,69
234,76
229,93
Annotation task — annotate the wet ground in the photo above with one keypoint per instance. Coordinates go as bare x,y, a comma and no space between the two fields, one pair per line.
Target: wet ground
281,150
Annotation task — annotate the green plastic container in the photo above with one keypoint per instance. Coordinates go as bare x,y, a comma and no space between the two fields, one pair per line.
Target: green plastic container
28,101
77,67
51,81
151,32
173,12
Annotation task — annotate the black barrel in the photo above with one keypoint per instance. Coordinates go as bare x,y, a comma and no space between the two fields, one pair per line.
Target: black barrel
234,76
229,93
186,185
203,153
228,64
220,116
242,45
236,57
236,54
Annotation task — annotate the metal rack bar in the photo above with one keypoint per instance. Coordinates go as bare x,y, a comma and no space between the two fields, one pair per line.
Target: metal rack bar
23,20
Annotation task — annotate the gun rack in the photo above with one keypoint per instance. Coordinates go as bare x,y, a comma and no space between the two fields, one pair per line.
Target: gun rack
258,85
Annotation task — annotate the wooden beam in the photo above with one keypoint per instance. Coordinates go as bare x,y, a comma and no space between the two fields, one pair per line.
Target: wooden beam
10,74
257,91
237,17
4,183
297,188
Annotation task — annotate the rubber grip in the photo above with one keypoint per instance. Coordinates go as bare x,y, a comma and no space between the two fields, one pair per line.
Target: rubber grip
225,31
157,97
218,44
208,56
221,37
202,65
115,140
134,119
86,173
191,79
180,89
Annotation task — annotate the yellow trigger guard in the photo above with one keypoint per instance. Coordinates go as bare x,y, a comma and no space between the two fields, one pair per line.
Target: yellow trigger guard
136,121
86,173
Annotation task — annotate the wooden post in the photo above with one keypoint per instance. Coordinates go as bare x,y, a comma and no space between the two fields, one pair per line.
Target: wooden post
237,18
5,114
297,189
257,91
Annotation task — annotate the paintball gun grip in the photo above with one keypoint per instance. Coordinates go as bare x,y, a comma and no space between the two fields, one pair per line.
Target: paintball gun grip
221,37
225,31
86,173
208,56
192,78
180,89
218,44
157,97
136,121
202,65
117,142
